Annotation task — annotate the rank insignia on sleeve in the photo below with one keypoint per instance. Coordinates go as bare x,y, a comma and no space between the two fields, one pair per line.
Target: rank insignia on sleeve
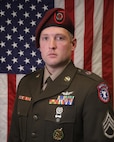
103,92
108,126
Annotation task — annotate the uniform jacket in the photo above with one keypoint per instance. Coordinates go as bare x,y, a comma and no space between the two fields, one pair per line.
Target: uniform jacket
71,109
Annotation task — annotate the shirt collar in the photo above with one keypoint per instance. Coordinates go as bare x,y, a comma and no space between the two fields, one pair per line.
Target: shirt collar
54,75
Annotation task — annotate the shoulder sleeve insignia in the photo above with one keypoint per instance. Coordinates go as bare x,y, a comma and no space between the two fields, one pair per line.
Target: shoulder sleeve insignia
103,92
108,126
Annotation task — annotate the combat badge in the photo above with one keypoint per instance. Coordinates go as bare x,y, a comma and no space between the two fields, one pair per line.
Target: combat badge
108,126
58,134
103,92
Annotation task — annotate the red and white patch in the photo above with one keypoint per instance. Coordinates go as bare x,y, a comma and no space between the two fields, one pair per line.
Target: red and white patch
103,92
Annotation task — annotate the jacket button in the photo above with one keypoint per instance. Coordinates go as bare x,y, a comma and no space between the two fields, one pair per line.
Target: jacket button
33,134
35,117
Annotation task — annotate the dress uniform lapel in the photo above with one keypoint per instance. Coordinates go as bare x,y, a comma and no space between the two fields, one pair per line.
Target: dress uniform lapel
59,84
36,86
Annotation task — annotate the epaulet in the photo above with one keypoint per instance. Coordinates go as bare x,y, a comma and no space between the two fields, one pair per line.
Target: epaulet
33,74
89,74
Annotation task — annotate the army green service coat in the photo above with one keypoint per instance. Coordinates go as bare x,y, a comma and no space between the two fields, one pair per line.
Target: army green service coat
75,107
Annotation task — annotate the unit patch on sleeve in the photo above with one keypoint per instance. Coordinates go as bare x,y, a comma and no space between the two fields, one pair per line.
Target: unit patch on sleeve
103,92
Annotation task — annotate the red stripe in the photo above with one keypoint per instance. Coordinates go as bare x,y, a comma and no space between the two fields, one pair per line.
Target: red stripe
107,43
69,7
88,37
11,96
113,58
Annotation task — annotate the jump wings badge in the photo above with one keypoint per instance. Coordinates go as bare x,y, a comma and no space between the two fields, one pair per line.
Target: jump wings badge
67,93
108,126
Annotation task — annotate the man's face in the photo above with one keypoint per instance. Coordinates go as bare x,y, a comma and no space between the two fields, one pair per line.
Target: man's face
56,46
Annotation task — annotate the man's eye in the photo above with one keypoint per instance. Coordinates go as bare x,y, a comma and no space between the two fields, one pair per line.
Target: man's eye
60,38
45,38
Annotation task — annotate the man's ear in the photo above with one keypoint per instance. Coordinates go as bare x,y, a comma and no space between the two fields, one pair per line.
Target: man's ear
74,43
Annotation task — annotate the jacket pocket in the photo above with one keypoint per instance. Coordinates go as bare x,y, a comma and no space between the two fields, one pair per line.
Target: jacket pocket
60,123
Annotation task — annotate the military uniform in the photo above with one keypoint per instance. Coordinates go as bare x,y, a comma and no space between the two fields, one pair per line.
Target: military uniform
75,107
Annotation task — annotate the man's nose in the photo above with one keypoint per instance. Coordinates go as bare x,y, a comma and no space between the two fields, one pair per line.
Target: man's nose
52,44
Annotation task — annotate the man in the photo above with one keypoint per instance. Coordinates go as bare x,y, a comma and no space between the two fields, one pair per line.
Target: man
74,106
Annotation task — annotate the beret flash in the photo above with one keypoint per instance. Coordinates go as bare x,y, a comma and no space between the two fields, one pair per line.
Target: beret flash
54,17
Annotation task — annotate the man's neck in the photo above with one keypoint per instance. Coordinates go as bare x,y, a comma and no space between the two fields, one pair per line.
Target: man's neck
53,69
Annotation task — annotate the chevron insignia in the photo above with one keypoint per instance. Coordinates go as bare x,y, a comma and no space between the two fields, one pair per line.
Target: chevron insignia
108,126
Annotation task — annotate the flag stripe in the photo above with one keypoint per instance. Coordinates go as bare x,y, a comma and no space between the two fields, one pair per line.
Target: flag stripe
70,9
11,96
79,33
88,37
97,38
107,65
3,107
113,56
59,3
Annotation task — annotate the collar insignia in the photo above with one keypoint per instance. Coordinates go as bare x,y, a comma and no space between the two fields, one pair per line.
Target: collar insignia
67,78
37,76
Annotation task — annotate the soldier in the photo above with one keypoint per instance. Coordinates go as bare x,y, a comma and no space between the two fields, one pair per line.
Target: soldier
61,103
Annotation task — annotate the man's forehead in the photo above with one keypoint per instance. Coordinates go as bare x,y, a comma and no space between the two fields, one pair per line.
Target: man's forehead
54,30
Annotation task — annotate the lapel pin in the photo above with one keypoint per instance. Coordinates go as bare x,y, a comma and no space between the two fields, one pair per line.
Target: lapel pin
67,78
38,76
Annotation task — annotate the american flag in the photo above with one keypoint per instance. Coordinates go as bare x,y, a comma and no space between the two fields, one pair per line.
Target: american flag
94,25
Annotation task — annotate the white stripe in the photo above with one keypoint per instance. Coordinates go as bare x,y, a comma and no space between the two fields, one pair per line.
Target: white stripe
18,78
59,3
97,37
3,107
79,33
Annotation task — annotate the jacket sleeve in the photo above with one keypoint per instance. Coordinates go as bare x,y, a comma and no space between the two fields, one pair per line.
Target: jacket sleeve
14,135
98,116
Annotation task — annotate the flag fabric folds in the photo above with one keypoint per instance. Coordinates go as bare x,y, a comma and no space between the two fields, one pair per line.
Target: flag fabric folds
94,30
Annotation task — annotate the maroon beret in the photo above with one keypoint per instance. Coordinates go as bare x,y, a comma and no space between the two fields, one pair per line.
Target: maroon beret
54,17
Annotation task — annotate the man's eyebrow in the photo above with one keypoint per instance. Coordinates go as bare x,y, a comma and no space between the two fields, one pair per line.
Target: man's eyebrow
53,34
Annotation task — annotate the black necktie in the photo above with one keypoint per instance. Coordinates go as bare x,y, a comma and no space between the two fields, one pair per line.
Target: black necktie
47,83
